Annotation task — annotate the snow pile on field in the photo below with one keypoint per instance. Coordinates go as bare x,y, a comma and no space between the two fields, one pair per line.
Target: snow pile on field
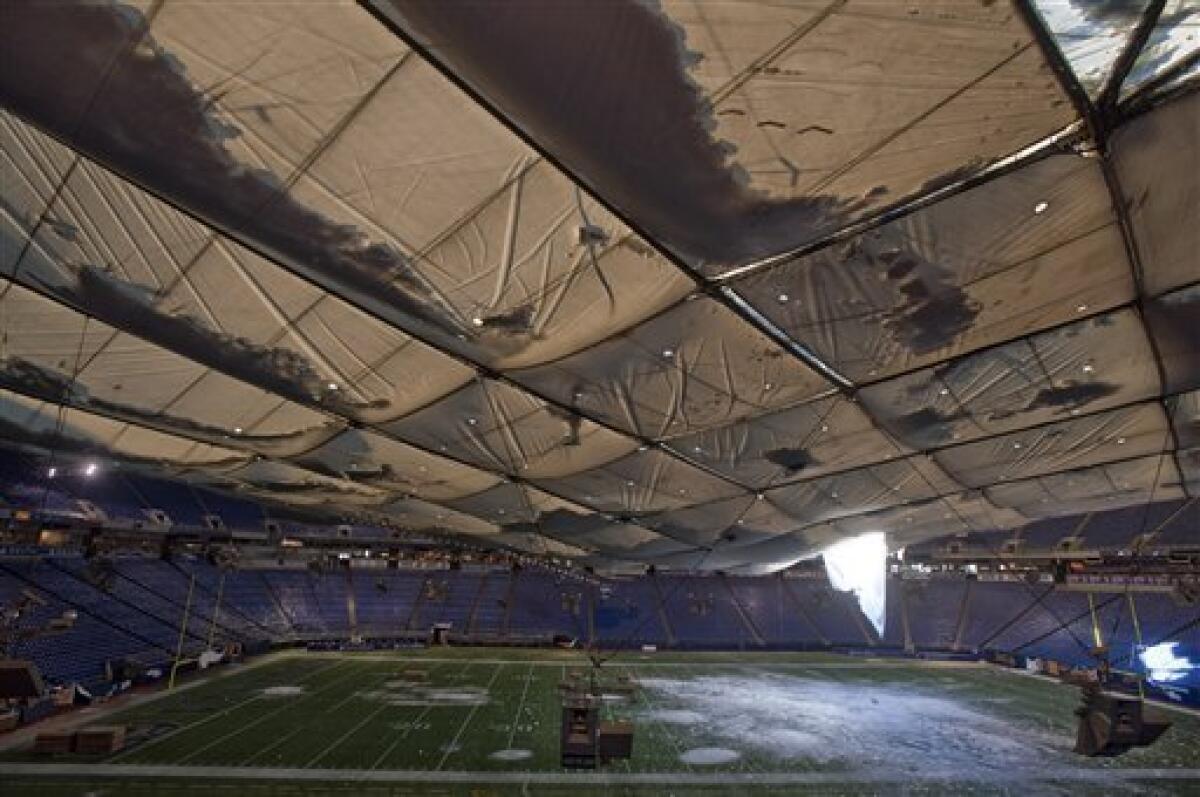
859,724
398,693
672,716
710,755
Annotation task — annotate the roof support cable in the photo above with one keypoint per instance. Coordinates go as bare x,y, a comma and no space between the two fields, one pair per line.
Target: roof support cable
1111,93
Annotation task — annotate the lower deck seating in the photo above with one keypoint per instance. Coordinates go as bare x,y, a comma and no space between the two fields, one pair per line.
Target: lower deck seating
132,607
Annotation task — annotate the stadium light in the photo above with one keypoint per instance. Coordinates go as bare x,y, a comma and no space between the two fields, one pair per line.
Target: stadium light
859,565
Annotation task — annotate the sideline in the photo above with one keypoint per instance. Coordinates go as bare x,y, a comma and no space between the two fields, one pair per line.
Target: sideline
71,720
1012,775
1156,702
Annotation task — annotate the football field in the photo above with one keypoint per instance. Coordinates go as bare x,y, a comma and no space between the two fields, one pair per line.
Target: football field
486,722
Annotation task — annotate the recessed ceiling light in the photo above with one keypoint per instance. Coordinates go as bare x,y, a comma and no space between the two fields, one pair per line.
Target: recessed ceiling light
698,450
477,321
332,386
1041,207
768,386
1082,308
1088,368
472,421
668,352
629,484
824,427
783,297
1120,441
50,474
1017,444
237,430
944,391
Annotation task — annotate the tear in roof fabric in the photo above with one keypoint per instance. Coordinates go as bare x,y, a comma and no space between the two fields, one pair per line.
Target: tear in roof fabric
756,278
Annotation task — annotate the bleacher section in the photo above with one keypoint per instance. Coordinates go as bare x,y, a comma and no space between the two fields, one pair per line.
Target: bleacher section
702,614
132,606
934,607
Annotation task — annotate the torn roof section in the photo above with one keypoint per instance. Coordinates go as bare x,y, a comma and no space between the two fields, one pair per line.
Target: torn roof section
478,269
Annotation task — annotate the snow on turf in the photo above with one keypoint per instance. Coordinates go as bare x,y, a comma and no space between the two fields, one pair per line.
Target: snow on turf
710,755
283,691
512,754
859,724
396,693
672,716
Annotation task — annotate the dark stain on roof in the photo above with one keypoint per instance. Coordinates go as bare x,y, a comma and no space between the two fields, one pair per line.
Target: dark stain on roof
550,66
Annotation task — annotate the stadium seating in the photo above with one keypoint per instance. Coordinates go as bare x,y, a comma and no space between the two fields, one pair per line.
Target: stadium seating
131,606
934,606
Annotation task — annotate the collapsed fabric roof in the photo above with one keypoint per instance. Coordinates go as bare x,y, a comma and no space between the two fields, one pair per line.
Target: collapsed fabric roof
693,283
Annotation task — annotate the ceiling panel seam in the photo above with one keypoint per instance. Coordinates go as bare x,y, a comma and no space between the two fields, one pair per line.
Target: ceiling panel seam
1057,143
246,445
1106,103
851,164
241,238
914,452
705,285
1147,96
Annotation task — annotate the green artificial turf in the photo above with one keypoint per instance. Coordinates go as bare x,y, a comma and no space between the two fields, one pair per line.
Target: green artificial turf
777,713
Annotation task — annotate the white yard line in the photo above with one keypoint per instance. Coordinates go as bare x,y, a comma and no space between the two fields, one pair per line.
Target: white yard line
346,735
261,718
256,696
125,702
665,726
391,747
404,734
851,663
470,715
1099,778
302,727
517,718
357,727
